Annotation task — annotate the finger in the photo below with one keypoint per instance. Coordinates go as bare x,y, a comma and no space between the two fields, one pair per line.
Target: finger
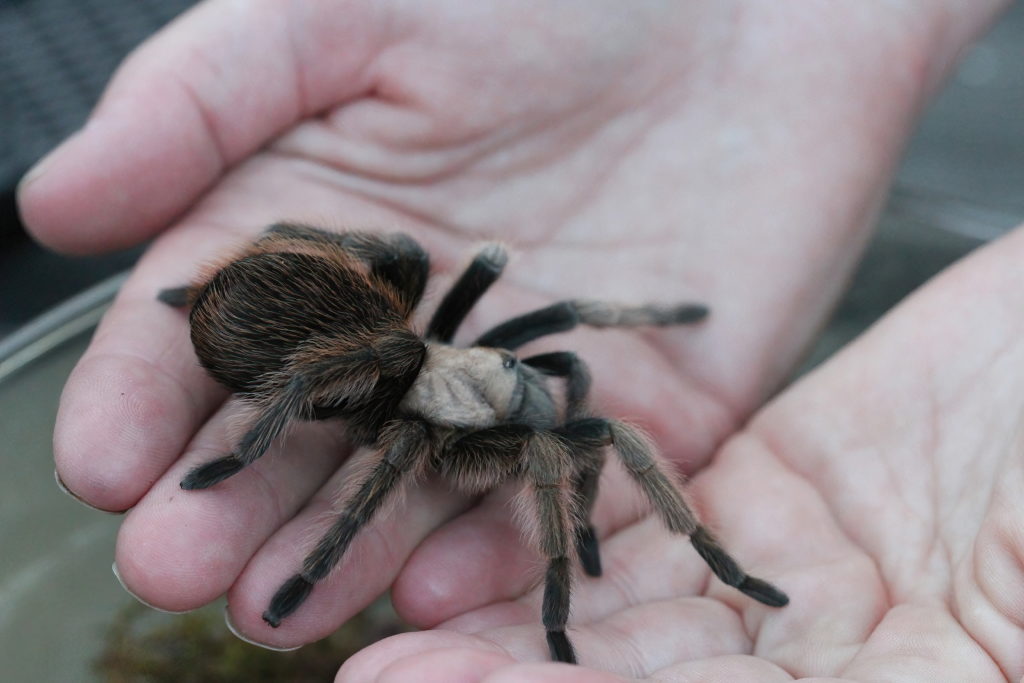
178,550
633,642
450,665
138,394
690,638
204,93
643,563
727,669
638,640
368,663
551,673
452,657
476,559
464,665
482,557
366,570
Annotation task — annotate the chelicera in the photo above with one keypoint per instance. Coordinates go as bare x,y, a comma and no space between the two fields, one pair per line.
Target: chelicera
307,324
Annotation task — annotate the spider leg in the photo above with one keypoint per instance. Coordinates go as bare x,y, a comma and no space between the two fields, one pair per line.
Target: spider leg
482,459
568,365
548,467
407,444
395,258
590,463
178,297
328,379
639,460
565,315
588,452
483,270
271,421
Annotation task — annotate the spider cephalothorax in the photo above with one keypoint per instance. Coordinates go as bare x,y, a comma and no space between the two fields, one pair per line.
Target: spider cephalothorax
307,324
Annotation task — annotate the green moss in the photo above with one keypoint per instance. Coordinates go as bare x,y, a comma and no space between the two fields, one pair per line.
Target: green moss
145,647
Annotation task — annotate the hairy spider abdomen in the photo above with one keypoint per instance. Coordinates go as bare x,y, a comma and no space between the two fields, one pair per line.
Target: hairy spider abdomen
259,311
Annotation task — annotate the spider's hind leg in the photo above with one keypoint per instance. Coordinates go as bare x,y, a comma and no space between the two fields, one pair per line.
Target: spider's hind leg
395,258
585,486
318,379
178,297
408,445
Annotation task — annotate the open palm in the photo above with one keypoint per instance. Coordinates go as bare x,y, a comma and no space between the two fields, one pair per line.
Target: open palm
654,153
883,492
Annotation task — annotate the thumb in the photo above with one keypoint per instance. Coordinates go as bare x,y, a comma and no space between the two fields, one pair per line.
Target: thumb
201,95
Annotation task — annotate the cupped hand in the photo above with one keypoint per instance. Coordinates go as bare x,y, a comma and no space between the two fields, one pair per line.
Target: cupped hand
884,492
661,152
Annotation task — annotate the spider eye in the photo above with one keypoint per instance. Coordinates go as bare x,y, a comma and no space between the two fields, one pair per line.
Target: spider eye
509,362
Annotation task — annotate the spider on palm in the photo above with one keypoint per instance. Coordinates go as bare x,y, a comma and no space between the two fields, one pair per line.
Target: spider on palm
307,325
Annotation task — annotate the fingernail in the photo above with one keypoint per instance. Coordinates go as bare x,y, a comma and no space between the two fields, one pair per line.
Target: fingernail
71,494
43,165
36,171
237,634
117,575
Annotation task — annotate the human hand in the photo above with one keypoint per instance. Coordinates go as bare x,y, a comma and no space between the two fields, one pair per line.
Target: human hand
883,492
660,153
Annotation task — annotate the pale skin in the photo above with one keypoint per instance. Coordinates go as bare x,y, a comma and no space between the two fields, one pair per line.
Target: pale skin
884,492
678,150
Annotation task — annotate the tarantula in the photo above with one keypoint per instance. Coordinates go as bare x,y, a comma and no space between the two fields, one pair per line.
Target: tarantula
307,325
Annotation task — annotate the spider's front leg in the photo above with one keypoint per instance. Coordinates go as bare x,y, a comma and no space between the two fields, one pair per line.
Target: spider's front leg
565,315
483,459
476,279
406,446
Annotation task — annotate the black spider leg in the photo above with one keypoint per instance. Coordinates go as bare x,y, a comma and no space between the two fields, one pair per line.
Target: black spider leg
395,258
353,376
588,453
640,463
407,444
178,297
271,421
483,459
548,470
482,272
565,315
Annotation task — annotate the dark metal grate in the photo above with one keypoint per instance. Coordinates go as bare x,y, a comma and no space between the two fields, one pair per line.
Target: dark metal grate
55,57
